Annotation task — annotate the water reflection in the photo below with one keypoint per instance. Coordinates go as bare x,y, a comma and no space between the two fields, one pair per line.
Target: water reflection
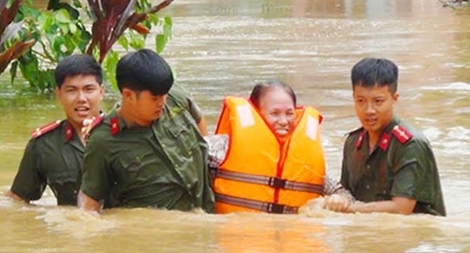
222,48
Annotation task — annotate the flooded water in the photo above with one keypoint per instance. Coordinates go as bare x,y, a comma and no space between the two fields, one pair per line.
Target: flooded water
222,48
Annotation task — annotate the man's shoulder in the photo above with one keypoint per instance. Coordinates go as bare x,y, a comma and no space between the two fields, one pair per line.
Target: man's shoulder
101,126
405,133
356,132
178,95
46,129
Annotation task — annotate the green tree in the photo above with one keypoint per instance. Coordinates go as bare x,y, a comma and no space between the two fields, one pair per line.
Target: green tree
59,31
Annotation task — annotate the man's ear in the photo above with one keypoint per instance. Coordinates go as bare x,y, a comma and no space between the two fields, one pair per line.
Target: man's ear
395,96
127,94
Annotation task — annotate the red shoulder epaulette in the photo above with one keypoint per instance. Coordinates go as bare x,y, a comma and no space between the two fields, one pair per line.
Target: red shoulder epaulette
45,129
97,121
401,134
359,139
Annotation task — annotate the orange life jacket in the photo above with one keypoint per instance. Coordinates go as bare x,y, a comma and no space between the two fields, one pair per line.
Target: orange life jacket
260,173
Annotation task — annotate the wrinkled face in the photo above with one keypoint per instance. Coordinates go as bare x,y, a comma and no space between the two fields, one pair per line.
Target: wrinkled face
278,109
147,107
80,97
374,107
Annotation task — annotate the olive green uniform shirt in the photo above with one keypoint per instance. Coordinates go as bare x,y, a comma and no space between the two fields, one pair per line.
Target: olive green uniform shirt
55,159
162,166
397,167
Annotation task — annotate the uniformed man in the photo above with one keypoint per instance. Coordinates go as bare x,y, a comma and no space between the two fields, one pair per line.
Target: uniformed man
54,155
148,152
387,165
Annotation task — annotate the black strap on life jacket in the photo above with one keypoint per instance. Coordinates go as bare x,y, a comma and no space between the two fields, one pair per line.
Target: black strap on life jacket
256,205
274,182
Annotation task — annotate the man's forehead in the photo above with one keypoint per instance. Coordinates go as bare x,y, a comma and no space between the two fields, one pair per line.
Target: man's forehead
376,89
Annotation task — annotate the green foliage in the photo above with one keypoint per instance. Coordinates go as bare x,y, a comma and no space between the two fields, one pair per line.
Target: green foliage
59,31
162,38
14,39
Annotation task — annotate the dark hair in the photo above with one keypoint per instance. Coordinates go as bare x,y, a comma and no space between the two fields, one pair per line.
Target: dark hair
75,65
370,72
260,89
144,70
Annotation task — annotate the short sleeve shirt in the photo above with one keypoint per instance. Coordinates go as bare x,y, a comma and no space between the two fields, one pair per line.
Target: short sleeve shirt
55,159
397,166
161,166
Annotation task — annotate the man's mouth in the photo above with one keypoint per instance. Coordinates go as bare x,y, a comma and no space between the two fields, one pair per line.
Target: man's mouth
82,111
370,121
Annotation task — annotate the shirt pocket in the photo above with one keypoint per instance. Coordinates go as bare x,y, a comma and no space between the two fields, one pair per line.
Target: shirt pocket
184,132
62,169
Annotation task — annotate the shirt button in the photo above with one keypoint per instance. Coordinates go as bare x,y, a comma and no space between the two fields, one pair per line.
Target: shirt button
188,186
368,166
367,187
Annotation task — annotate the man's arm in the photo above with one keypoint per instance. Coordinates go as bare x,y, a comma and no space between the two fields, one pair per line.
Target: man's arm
202,126
96,182
14,196
87,203
409,183
28,183
397,205
337,198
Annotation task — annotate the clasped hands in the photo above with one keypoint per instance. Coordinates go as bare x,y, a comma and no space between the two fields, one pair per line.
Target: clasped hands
338,203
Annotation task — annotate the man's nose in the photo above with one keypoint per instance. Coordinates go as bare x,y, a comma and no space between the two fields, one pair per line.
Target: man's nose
370,108
81,96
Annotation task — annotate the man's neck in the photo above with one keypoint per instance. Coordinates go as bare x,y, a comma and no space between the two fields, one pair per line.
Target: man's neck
373,139
129,117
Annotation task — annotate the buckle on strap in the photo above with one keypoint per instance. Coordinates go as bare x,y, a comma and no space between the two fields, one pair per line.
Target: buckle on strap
275,208
277,182
281,209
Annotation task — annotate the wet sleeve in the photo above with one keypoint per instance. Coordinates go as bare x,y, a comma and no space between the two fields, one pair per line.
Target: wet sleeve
28,183
413,172
329,185
185,99
217,148
96,179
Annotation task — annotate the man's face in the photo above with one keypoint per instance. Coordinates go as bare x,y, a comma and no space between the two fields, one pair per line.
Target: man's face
147,106
80,97
374,107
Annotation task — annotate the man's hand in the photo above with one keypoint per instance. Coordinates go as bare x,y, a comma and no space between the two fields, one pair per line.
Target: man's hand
337,203
86,127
